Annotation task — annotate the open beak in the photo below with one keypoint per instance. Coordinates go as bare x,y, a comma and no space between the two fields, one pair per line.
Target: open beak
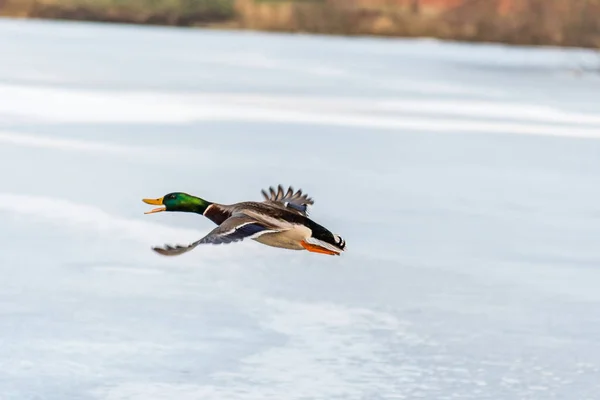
155,202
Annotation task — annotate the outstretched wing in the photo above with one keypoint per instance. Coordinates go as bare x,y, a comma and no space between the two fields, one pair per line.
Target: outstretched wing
293,201
233,229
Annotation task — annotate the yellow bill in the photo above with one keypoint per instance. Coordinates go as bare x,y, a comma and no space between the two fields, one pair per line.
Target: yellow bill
155,202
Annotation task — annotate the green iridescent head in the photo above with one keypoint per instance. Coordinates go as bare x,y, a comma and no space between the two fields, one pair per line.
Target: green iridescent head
181,202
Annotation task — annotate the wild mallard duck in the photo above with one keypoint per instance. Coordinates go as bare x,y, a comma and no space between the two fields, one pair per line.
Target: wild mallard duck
281,220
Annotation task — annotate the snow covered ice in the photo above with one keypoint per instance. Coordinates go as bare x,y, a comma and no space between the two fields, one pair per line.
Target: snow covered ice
465,179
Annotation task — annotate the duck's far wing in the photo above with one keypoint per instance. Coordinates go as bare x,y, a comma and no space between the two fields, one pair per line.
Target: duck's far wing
293,201
233,229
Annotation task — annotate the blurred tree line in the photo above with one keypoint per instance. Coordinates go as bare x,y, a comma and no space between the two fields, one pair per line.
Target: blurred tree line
161,12
538,22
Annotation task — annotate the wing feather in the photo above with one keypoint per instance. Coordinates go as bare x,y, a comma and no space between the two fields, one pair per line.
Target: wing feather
293,201
233,229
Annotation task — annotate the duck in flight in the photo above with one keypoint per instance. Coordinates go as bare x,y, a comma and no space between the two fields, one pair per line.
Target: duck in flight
281,220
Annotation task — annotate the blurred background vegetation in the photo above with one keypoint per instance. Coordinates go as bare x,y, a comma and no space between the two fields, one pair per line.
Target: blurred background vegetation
536,22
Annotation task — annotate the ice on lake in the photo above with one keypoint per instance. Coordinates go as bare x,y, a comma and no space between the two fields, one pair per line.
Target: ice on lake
465,179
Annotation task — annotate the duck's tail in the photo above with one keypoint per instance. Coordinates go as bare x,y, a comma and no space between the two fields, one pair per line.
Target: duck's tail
340,243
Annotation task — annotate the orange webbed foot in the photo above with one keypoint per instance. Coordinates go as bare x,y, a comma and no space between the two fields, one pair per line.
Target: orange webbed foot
313,248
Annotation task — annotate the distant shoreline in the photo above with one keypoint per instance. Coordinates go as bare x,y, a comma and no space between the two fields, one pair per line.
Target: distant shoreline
465,24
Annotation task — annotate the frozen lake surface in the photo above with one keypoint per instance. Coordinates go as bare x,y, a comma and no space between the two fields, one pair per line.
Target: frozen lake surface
465,179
